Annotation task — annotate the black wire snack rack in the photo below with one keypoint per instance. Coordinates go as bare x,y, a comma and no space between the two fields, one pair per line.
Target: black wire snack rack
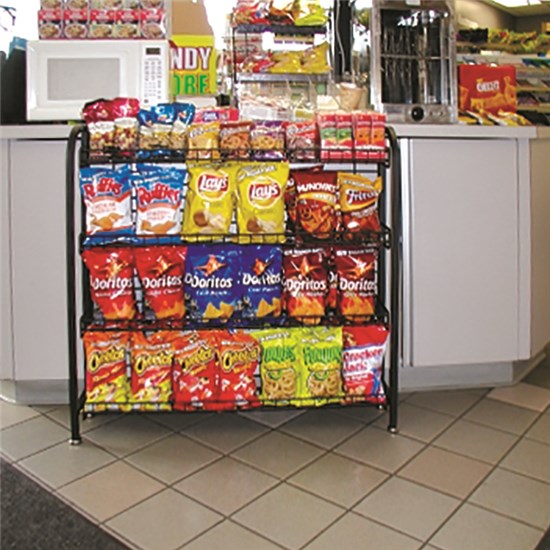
84,317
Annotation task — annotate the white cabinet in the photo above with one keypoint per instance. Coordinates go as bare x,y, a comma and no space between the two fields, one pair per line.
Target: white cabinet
461,245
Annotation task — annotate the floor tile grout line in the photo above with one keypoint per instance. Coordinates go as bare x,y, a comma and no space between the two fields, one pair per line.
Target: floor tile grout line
504,515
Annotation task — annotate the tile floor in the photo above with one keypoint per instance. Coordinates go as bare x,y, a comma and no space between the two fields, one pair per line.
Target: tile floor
468,470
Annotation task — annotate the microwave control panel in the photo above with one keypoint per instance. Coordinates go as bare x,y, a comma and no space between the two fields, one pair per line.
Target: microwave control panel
154,85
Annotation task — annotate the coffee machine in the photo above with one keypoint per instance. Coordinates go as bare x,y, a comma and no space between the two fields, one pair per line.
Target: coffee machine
413,60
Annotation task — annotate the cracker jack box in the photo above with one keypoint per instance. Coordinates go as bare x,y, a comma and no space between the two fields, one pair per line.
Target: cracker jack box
487,88
192,50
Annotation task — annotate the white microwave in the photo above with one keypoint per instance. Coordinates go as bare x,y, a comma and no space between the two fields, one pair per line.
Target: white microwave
62,75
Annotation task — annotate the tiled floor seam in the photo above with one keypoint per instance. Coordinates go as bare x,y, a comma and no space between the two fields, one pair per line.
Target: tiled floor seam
518,520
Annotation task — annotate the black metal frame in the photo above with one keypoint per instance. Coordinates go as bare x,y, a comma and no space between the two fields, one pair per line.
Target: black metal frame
386,239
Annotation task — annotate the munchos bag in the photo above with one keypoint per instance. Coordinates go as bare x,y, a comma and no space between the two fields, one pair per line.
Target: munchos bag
160,270
357,280
362,363
195,371
106,366
305,284
261,280
111,281
151,362
211,281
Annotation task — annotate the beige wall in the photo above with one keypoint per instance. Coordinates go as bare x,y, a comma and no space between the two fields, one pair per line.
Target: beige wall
532,23
485,15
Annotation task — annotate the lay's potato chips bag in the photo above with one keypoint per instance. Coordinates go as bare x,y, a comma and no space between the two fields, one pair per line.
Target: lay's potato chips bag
261,207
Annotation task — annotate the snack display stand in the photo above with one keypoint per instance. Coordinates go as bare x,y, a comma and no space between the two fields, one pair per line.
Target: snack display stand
387,244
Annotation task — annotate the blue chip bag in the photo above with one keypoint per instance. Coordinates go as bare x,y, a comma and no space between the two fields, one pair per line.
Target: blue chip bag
107,195
184,116
212,291
261,280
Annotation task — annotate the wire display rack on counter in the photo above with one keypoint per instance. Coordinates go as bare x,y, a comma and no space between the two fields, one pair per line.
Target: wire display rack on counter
122,302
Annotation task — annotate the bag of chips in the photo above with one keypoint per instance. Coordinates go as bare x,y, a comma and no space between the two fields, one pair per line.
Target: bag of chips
317,193
212,290
357,283
363,361
106,369
321,354
151,362
279,366
165,116
239,360
107,195
111,281
204,141
301,140
305,284
160,270
267,139
261,281
125,111
101,127
209,202
359,204
195,371
332,296
235,140
260,208
184,116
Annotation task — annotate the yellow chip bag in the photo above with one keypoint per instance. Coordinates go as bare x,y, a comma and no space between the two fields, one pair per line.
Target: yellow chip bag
261,208
210,200
204,141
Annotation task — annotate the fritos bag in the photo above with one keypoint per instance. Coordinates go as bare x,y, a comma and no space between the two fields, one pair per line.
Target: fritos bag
359,203
260,208
317,193
111,281
321,353
209,202
106,369
160,270
195,371
212,291
261,280
362,364
357,281
107,195
305,284
152,370
279,366
239,359
159,198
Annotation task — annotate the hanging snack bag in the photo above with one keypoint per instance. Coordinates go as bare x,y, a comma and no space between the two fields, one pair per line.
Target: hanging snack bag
359,203
107,195
209,201
260,207
317,193
160,270
211,281
305,284
217,114
125,111
344,135
235,140
356,282
321,363
301,140
165,116
159,199
146,120
363,361
106,369
111,281
328,132
332,296
239,360
362,130
204,141
184,116
279,366
101,128
151,363
268,140
195,371
261,281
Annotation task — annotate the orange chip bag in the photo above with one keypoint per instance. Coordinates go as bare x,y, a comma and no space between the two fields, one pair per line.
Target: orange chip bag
152,368
261,208
106,365
204,141
356,282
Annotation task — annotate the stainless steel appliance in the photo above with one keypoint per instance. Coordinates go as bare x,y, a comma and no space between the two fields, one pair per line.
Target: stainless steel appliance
413,60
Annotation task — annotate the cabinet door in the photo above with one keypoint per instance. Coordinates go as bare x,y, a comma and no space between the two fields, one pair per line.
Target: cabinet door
463,242
38,256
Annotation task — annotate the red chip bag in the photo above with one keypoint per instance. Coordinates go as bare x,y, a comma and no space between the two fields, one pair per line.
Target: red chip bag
195,371
356,270
111,281
362,362
152,367
239,359
332,280
305,286
160,270
301,139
